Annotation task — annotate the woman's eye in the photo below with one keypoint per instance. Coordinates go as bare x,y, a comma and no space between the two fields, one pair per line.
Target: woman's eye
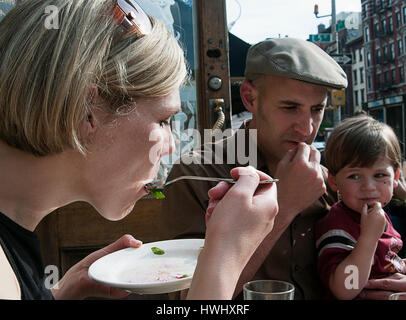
164,123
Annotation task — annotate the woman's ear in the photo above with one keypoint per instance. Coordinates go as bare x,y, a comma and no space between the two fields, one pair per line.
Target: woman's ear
249,96
89,123
331,180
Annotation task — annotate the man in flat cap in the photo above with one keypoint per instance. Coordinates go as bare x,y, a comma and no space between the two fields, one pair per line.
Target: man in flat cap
286,91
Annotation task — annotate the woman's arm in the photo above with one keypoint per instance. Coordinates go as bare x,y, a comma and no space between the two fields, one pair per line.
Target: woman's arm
236,225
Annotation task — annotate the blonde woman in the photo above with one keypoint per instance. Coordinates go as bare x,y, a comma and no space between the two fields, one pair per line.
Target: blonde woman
84,85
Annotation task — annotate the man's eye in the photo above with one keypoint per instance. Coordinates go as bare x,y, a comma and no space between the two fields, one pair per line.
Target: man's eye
289,108
318,109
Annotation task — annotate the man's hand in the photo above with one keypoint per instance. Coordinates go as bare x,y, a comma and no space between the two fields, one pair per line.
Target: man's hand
301,180
381,289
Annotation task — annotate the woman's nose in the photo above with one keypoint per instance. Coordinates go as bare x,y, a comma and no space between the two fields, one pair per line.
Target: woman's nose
169,145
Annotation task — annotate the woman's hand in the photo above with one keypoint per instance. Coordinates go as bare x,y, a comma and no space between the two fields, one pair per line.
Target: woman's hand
76,283
238,218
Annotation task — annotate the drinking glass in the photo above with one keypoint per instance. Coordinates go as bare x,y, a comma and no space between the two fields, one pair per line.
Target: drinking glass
398,296
268,290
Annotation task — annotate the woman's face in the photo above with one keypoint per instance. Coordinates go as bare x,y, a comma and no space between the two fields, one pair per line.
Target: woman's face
124,155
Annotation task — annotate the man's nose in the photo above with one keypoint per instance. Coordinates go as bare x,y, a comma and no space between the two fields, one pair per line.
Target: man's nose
304,125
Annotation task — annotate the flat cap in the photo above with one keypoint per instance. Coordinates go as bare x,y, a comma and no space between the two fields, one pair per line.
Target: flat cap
295,59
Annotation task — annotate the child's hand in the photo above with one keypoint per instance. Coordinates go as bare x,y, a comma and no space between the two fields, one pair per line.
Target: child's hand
373,221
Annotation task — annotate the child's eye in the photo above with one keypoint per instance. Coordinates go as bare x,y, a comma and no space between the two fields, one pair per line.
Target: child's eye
353,177
381,175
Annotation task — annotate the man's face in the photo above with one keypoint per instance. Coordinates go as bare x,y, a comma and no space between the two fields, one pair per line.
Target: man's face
288,112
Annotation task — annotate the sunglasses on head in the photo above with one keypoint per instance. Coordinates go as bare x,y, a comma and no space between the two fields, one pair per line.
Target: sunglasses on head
130,15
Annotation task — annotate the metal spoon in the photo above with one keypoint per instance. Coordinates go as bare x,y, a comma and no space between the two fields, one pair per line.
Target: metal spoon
156,183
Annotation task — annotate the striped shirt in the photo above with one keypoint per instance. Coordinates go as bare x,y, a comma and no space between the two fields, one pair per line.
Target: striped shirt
336,235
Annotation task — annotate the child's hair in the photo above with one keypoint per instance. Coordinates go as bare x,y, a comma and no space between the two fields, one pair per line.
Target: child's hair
359,142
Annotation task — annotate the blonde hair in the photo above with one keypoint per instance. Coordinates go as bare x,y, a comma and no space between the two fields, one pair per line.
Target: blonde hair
46,74
360,141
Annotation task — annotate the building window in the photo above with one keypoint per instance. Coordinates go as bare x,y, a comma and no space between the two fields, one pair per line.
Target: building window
369,83
398,19
383,22
368,59
362,96
366,34
355,78
378,81
378,56
390,25
401,78
376,29
393,75
361,75
392,51
404,15
400,47
386,78
385,53
356,98
360,55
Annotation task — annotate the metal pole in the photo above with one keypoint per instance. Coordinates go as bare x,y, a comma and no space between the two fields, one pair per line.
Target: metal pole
334,36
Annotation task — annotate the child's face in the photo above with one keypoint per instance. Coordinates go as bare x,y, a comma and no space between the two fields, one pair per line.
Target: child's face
358,186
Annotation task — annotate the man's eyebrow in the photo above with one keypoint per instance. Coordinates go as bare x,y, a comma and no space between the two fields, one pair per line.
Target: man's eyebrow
290,102
296,104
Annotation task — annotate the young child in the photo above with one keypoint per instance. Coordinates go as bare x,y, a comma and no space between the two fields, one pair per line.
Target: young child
356,240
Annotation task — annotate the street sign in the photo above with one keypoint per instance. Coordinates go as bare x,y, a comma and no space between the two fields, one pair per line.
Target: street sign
320,37
342,58
340,25
338,97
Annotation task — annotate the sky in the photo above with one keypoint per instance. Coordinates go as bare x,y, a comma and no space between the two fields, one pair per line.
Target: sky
261,19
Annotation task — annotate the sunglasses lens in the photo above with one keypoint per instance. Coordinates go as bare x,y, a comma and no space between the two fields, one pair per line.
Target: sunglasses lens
131,16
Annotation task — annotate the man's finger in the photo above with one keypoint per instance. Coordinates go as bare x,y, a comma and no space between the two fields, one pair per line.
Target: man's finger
315,155
303,152
374,294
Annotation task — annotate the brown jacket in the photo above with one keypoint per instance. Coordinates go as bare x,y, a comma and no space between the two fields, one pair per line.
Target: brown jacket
293,258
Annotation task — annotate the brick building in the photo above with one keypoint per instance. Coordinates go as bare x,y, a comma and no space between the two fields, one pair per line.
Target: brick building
384,37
